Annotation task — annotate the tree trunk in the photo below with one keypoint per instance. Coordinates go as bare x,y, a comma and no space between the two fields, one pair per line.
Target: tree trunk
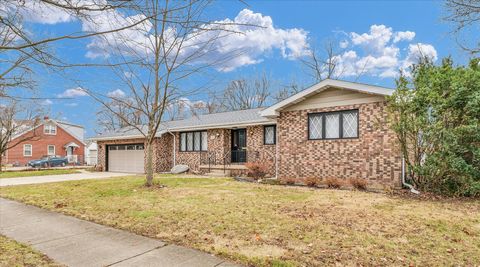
149,169
1,163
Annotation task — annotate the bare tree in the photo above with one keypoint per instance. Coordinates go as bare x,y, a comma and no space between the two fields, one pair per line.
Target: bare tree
11,128
170,47
322,63
286,91
112,121
465,14
20,48
246,93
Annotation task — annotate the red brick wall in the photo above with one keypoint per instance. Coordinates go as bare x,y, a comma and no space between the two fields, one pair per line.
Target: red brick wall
217,145
258,151
373,156
164,153
39,143
101,154
162,149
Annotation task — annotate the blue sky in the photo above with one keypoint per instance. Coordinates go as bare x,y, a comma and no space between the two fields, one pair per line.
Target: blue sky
383,33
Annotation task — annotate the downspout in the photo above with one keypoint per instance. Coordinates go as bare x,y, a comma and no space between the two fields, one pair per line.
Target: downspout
276,152
404,183
174,148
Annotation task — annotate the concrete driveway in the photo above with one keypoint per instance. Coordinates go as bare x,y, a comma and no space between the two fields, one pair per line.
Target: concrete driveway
60,178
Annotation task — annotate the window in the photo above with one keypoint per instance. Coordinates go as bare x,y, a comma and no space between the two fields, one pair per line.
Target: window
51,150
126,147
204,141
333,125
27,150
50,129
269,135
183,141
194,141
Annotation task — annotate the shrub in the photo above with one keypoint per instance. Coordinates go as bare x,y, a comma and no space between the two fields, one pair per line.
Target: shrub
359,183
257,170
312,181
438,126
289,181
334,183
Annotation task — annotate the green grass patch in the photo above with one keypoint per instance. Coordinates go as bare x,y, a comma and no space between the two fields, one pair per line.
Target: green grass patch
16,174
13,253
271,225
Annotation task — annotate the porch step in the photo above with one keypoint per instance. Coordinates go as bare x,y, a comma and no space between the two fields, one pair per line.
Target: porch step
226,167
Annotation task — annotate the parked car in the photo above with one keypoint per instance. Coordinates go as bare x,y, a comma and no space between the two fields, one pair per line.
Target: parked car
48,161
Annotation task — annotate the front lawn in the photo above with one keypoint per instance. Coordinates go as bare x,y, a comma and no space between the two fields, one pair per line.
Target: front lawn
16,174
13,253
274,225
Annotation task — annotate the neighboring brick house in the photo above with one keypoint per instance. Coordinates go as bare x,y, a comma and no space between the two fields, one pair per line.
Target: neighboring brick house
334,129
48,137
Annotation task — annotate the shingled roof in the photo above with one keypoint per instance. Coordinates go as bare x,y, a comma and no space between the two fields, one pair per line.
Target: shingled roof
229,119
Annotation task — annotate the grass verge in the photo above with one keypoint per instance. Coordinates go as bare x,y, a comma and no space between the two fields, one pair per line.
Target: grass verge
16,174
267,225
13,253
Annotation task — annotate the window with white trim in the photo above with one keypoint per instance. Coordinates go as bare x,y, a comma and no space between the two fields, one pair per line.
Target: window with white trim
333,125
193,141
50,128
27,150
51,150
269,134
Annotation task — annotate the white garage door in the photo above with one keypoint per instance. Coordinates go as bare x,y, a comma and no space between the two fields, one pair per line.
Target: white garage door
126,158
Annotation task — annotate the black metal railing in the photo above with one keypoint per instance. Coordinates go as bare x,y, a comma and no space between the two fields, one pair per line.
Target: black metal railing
231,157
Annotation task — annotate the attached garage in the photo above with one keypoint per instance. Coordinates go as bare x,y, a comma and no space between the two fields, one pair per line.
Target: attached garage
126,158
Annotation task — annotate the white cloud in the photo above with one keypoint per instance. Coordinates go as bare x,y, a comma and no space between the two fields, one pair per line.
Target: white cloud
344,44
128,74
378,53
400,36
71,104
46,102
37,12
73,92
418,51
240,45
116,93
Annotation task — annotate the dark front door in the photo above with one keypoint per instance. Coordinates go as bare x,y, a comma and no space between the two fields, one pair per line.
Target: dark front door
239,145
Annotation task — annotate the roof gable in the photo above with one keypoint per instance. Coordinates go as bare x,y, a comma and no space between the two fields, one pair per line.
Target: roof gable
273,111
44,122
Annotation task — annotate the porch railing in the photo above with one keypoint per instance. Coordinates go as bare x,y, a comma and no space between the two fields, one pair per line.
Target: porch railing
232,157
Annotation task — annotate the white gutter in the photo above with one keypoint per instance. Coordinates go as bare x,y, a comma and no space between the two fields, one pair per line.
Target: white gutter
174,146
412,189
276,152
222,126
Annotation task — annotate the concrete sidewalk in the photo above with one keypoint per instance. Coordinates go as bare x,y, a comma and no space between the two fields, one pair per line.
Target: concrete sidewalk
59,178
75,242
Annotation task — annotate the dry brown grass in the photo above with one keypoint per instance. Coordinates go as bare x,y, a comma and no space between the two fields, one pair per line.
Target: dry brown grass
266,225
313,181
16,254
15,174
334,183
359,183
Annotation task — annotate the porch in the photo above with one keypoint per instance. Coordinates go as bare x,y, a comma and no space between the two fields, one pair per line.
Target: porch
223,170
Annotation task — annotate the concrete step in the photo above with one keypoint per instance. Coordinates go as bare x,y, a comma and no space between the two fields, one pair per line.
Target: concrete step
218,173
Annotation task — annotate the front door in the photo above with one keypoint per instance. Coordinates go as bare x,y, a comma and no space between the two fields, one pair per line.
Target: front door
70,157
239,145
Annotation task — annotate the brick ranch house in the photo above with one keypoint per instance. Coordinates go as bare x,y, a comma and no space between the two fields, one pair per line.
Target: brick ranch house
332,129
48,137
